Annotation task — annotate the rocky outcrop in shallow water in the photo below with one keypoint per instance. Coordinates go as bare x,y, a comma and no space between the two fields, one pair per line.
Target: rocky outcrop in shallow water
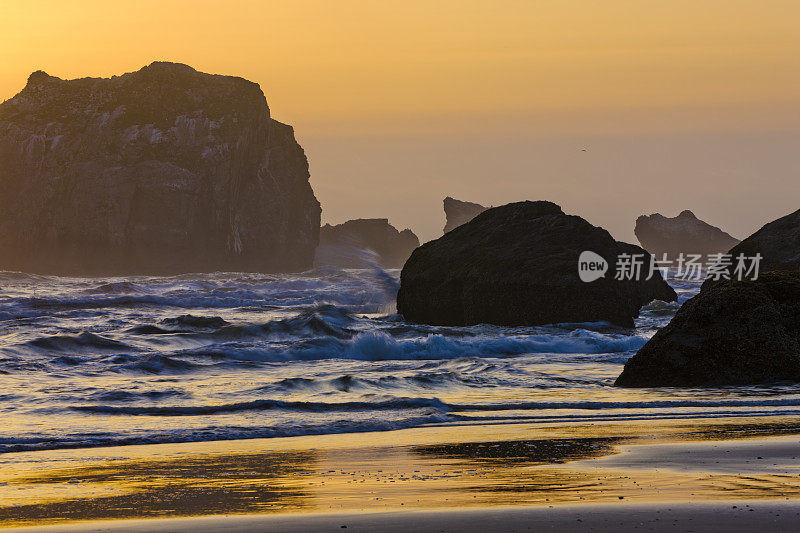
163,170
778,243
684,233
459,212
734,333
518,265
363,242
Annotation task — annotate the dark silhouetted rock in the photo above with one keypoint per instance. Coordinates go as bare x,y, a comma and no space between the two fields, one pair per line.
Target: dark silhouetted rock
363,242
684,233
518,265
458,212
734,333
778,243
163,170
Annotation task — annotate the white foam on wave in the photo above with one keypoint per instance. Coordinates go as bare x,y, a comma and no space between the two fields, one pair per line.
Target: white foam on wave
380,346
254,355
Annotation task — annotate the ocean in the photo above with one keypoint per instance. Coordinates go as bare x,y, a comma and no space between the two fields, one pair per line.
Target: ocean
113,361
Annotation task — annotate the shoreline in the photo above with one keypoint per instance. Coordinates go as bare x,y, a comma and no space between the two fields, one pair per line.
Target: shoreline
480,469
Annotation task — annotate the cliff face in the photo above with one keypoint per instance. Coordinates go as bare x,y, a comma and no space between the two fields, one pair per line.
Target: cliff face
458,212
684,233
163,170
362,242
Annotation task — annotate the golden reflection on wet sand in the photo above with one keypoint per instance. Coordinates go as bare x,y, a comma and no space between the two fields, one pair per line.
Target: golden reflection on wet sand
421,468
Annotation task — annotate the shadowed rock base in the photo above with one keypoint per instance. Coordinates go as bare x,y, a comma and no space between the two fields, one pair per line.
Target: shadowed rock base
732,333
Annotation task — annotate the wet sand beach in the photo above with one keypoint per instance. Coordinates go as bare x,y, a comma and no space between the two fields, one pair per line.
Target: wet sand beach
463,478
778,517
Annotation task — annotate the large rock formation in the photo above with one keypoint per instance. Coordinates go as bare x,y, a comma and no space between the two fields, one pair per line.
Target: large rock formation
363,242
163,170
778,243
734,333
458,212
684,233
518,265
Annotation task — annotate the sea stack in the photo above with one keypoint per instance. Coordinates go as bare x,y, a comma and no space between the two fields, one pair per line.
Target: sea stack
517,265
778,243
683,234
159,171
365,242
732,333
458,212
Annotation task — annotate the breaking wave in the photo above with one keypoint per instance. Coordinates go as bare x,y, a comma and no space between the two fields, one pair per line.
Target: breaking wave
113,361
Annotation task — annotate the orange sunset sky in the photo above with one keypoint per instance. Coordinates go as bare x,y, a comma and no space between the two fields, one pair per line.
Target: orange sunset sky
679,104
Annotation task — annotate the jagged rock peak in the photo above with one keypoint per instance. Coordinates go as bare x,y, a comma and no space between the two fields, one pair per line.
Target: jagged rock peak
458,212
39,77
684,233
363,242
